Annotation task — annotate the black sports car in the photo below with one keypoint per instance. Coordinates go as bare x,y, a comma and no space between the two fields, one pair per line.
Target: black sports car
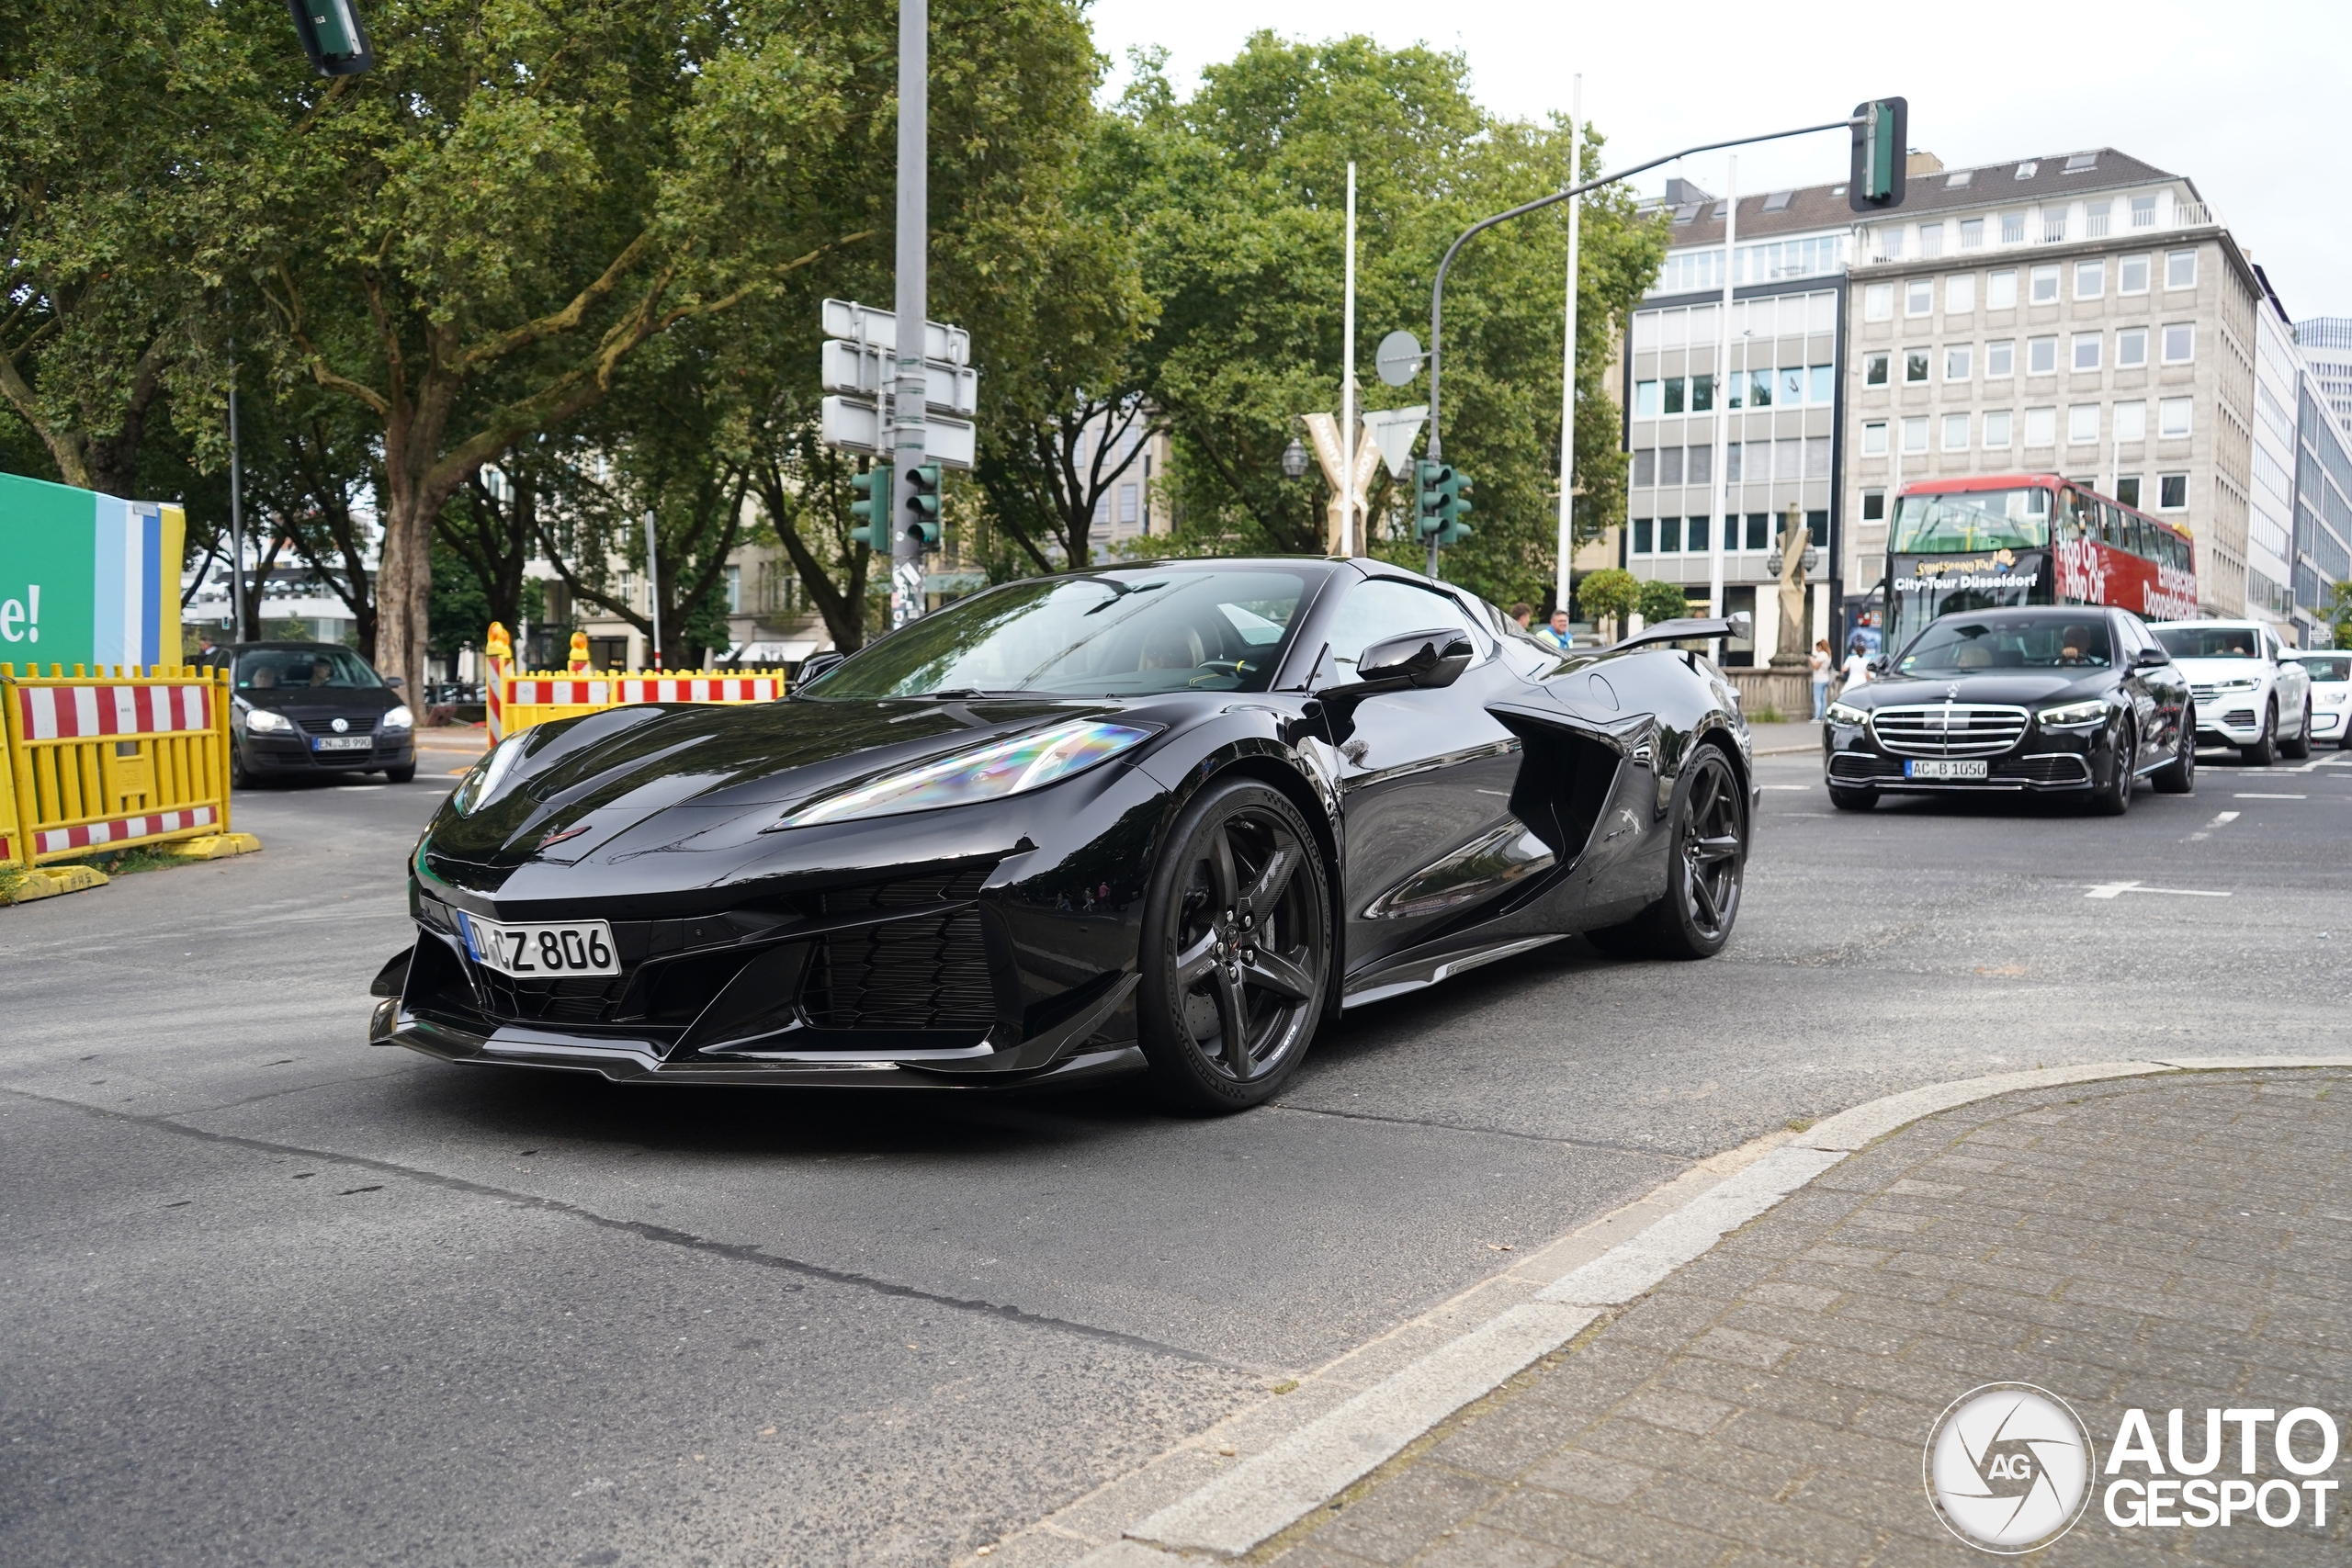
1161,816
2057,699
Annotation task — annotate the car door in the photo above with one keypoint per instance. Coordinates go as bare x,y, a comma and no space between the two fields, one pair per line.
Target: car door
1426,776
2157,690
2291,682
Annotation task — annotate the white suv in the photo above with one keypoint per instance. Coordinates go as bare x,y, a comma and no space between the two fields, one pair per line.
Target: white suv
2331,674
2249,692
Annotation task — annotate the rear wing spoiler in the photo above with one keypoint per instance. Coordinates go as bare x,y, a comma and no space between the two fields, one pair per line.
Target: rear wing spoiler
1694,628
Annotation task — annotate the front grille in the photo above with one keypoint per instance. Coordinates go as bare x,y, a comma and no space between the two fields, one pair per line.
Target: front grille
2046,768
589,999
1948,729
1861,767
919,974
323,723
2242,718
2049,767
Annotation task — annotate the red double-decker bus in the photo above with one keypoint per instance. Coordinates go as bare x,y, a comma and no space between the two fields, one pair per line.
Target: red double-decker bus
2000,539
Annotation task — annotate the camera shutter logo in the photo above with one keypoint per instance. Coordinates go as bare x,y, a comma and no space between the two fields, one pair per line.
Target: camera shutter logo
2008,1467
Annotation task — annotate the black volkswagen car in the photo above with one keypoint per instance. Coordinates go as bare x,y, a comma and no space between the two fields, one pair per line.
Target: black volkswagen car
310,708
2063,699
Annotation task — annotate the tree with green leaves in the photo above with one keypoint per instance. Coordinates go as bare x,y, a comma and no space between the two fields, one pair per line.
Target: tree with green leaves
1235,197
1611,592
1661,602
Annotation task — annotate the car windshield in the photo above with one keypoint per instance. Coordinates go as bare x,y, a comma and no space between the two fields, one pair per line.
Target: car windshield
2327,666
1105,633
2210,642
1974,519
279,669
1967,644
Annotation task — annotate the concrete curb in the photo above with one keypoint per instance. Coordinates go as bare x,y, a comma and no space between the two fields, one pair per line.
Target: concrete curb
1271,1491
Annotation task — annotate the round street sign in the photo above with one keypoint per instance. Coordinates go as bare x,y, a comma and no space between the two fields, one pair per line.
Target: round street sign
1399,358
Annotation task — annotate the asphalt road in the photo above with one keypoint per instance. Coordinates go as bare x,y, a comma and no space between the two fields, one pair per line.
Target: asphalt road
269,1296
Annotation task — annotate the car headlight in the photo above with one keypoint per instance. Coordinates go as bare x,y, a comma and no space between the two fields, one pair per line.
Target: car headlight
398,717
480,786
1841,714
2237,683
2073,715
990,773
261,721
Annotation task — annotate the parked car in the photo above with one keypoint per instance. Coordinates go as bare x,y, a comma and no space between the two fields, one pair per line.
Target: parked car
2250,695
2331,678
1158,817
2059,699
307,708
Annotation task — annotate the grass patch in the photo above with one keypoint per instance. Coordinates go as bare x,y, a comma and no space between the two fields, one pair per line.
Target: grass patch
11,878
1768,714
124,862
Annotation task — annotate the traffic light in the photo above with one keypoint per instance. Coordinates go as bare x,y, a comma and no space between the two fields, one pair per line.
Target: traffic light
923,503
1428,507
1881,144
332,36
872,509
1457,488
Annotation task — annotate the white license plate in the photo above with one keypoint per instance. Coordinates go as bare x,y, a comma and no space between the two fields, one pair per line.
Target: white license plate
342,742
1940,769
535,951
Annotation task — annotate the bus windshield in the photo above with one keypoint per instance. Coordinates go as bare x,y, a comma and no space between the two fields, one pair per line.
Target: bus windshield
1974,519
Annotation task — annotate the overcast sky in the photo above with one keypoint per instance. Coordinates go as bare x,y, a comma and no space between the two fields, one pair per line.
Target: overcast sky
2247,99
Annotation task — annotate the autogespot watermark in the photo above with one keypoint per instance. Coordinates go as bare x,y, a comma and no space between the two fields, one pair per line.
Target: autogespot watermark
2010,1468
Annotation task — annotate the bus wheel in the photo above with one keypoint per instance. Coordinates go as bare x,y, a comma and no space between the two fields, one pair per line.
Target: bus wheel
2180,775
2265,751
2116,798
2301,746
1852,799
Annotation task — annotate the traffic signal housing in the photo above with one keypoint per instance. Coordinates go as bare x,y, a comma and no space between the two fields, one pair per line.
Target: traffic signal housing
872,509
332,37
923,503
1882,152
1428,501
1457,488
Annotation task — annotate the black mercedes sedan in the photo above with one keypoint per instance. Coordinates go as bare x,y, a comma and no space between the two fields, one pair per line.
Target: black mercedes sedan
1161,818
309,708
2063,699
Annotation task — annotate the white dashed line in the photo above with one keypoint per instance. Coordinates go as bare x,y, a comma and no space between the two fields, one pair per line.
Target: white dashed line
2248,795
2117,890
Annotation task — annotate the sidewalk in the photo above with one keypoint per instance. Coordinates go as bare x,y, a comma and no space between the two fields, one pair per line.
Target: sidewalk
2178,1241
1785,740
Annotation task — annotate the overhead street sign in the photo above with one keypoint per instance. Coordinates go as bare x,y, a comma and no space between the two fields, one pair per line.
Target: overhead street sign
866,370
854,424
854,322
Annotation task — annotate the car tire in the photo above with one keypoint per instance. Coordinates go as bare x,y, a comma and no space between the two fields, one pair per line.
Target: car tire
402,774
239,775
1706,860
1224,1015
2265,751
2116,798
2298,749
1852,799
2180,775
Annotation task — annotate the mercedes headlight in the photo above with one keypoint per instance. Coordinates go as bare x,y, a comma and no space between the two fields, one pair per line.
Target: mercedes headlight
399,718
261,721
1841,714
2073,715
481,787
992,771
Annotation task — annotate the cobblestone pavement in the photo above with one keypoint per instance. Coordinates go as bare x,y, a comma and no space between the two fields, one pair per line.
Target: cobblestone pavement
2149,1242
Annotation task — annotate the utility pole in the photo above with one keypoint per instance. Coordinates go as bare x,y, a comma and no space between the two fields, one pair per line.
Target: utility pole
653,588
909,450
1563,577
1723,403
236,504
1351,542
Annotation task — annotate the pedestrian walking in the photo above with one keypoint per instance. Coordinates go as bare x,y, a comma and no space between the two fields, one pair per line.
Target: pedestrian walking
1858,667
1819,661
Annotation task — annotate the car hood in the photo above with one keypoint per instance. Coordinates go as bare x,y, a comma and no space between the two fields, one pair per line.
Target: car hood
2022,688
2206,672
590,780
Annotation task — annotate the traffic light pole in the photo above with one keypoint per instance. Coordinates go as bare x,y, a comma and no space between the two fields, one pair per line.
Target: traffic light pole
906,436
1435,449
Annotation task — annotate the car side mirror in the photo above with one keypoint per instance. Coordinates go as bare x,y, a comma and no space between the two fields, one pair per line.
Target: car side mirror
816,664
2150,656
393,681
1878,666
1418,661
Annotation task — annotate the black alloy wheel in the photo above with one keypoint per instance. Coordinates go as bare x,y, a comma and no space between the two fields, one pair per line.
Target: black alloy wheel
1235,950
2180,775
2265,751
2116,798
2298,749
1705,868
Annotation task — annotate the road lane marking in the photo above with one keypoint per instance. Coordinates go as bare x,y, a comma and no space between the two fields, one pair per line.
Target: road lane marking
2117,890
1783,786
2249,795
2222,820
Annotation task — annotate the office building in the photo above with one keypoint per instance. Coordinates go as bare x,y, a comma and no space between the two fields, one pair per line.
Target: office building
2327,343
